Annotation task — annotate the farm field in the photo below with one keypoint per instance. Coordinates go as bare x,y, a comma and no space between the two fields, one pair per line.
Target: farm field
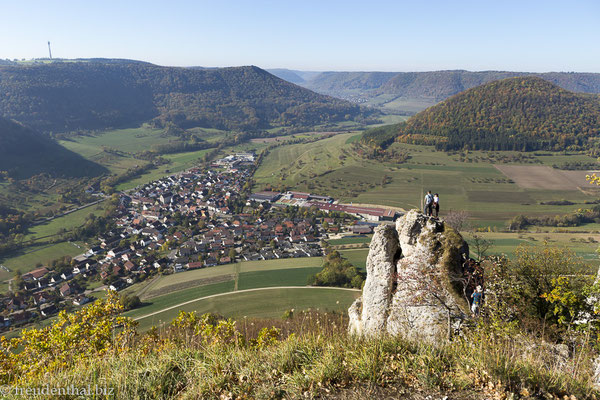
170,290
402,105
173,283
130,140
544,177
506,243
26,260
357,257
178,162
65,222
354,239
116,149
285,138
264,303
471,182
282,277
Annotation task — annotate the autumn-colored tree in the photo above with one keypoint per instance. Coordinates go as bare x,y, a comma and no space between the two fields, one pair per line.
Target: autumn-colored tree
93,331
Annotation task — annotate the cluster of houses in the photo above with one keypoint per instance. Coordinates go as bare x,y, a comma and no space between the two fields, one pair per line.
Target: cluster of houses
191,220
46,292
196,219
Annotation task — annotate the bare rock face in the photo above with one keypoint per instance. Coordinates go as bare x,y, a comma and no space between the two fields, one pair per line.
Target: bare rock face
415,282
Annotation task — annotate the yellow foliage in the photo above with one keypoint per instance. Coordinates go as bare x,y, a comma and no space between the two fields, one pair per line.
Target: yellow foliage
91,332
266,337
208,328
566,302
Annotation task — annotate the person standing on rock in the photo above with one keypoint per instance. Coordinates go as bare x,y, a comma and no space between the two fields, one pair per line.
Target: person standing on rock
477,297
429,204
436,204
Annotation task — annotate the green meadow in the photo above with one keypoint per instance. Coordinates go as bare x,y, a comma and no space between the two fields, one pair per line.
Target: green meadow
178,162
27,259
63,223
583,244
472,183
354,239
38,251
131,140
263,303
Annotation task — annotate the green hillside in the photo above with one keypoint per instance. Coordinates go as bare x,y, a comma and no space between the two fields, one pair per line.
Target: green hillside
524,113
66,96
24,153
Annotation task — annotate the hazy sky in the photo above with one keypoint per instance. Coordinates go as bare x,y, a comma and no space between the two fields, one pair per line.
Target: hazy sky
523,35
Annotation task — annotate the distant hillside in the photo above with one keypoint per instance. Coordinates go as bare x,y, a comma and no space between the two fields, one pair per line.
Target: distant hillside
24,153
523,113
287,75
340,83
64,96
438,85
407,92
294,75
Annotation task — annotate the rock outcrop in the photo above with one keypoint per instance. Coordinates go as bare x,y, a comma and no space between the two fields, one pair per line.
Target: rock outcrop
415,281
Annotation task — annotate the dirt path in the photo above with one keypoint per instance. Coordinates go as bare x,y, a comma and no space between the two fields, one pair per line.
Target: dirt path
239,291
237,267
143,291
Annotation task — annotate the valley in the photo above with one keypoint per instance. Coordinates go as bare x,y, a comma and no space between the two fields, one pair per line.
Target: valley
486,190
407,93
300,200
491,185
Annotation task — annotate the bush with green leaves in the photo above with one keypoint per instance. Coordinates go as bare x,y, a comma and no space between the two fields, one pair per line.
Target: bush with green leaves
337,271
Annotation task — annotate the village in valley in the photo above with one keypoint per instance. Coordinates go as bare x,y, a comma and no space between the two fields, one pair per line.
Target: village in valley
199,218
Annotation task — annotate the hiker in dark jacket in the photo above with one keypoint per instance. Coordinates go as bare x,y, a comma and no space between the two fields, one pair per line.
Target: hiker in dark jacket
429,204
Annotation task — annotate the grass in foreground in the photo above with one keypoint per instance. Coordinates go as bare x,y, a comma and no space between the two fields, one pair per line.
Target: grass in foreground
308,355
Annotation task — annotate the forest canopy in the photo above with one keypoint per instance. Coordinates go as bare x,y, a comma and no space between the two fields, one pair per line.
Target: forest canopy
61,97
526,113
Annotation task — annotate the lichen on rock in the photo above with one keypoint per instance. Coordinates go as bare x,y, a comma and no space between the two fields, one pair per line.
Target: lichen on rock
415,281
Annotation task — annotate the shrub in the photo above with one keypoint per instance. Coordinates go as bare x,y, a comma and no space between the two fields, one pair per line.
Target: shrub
130,302
91,332
337,271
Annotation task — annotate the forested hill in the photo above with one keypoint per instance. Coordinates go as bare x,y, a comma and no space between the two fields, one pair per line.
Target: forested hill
64,96
523,113
440,85
337,83
425,88
24,153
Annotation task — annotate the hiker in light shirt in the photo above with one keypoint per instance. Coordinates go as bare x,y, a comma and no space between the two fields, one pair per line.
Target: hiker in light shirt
436,204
